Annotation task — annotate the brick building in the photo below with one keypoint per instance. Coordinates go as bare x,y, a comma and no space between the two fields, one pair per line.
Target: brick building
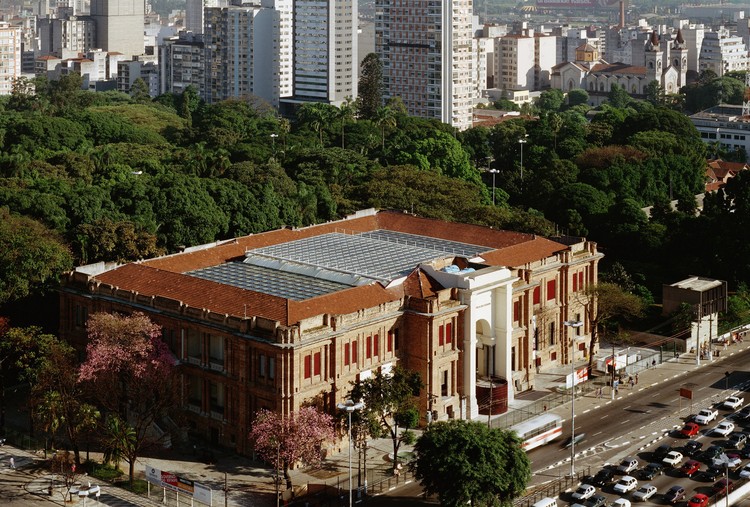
294,316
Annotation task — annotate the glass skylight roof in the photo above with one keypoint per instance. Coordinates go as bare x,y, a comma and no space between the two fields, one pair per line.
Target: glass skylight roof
320,265
269,281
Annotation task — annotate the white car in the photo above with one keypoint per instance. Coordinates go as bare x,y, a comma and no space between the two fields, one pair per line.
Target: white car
584,492
626,484
627,465
673,459
724,428
745,472
733,402
706,415
621,502
726,460
644,492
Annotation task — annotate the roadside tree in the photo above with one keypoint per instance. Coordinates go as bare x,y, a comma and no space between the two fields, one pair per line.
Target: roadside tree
129,372
464,462
391,399
284,441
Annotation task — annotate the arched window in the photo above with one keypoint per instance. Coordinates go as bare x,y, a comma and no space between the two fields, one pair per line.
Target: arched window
669,88
591,86
601,87
570,84
676,62
634,89
650,65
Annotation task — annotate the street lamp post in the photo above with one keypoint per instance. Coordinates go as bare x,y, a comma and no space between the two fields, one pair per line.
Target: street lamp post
574,324
273,143
522,141
350,407
494,172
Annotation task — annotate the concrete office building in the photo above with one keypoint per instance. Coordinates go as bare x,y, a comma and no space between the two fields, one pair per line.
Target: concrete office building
427,52
722,52
292,317
73,33
119,25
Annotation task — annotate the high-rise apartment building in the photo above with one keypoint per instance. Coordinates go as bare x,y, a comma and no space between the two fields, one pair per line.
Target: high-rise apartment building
325,50
119,25
723,52
74,33
194,13
426,47
182,63
242,53
10,57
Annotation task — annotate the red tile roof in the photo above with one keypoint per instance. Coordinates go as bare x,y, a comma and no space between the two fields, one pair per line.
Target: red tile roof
618,68
523,253
419,285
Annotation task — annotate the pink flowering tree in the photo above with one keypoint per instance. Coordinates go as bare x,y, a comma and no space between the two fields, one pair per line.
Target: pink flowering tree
284,441
129,372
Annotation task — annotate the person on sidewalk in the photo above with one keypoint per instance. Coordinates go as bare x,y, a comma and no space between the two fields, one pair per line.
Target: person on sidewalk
12,462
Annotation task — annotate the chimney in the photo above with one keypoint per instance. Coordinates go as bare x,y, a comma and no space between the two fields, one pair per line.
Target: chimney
622,13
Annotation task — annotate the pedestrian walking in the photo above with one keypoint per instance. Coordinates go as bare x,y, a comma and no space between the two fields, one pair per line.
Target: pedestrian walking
632,383
653,363
12,463
636,379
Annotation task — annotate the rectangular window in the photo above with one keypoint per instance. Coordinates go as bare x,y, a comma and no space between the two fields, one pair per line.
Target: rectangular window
551,333
395,339
575,282
578,329
354,352
271,368
516,311
537,295
389,344
217,397
216,349
316,364
262,365
444,384
195,392
346,354
308,366
551,288
580,280
376,345
441,335
194,345
368,347
449,332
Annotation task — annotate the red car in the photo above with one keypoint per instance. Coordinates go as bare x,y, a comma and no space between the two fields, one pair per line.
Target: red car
690,430
698,500
690,467
723,487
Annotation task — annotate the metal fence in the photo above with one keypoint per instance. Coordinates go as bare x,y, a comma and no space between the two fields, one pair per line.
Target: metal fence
551,489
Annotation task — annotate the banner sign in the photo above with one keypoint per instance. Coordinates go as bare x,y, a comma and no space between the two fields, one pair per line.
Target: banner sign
173,482
581,375
686,393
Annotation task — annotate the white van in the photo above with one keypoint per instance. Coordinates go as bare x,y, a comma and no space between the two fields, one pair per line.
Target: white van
546,502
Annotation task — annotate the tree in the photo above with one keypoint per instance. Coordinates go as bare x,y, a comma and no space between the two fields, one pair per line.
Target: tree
550,101
465,462
618,97
390,397
655,93
605,301
578,96
285,441
344,115
139,91
62,464
32,257
317,116
370,87
58,397
129,371
385,117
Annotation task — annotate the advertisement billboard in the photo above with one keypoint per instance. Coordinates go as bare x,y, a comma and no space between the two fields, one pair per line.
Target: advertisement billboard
575,4
173,482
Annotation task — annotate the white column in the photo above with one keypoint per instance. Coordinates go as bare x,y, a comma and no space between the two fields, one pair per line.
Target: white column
470,360
502,299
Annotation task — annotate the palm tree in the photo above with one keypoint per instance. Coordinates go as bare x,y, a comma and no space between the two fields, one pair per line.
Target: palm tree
317,116
385,116
345,114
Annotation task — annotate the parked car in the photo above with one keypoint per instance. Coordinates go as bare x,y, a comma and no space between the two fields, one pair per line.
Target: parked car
732,461
674,494
743,414
723,487
627,465
651,470
710,453
596,501
736,440
672,459
584,492
689,468
745,451
705,416
621,502
626,484
745,472
724,428
733,402
603,477
692,447
690,430
698,500
712,473
662,451
644,492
